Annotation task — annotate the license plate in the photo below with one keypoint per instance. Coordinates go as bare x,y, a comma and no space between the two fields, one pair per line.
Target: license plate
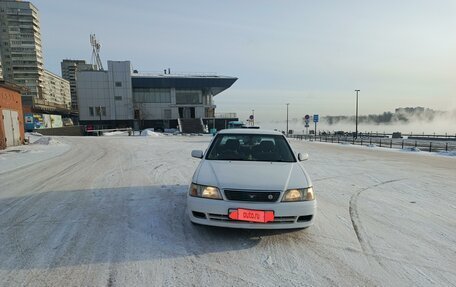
251,215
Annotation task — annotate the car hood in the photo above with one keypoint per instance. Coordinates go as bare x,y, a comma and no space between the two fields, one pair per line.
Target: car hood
252,175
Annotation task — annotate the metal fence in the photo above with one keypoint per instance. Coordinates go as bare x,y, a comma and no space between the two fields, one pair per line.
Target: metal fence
423,145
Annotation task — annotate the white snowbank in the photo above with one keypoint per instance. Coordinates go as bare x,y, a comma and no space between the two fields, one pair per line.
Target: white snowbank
411,149
116,133
447,153
33,137
150,132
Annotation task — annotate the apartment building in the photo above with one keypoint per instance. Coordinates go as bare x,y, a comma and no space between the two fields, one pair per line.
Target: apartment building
58,96
20,47
69,73
22,57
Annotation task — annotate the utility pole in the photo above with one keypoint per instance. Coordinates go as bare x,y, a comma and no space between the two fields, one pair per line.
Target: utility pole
287,119
99,110
356,133
253,115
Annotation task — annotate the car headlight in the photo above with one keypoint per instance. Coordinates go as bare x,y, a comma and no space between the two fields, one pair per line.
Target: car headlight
205,191
299,194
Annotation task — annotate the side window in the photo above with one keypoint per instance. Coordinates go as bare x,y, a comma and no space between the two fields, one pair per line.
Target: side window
224,139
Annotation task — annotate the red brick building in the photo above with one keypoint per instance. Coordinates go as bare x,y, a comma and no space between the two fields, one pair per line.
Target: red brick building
11,115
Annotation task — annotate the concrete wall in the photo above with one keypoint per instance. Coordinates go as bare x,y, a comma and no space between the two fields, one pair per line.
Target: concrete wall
120,90
64,131
110,90
93,91
10,100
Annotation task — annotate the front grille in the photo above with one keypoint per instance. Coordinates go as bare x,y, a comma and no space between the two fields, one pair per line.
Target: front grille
259,196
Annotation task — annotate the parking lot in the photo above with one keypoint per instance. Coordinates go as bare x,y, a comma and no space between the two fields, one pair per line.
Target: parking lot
110,211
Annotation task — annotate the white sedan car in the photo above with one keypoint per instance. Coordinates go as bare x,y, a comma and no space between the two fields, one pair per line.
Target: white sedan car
251,179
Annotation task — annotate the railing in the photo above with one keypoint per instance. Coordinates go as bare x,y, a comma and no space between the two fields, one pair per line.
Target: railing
403,135
417,145
179,124
49,104
173,74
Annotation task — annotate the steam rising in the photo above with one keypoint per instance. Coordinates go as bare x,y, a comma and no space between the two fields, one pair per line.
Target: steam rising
406,120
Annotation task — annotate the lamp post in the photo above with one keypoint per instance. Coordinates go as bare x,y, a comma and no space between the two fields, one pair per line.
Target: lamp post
100,125
287,119
356,133
253,118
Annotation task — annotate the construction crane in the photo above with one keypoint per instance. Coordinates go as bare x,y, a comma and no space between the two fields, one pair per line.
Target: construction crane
96,52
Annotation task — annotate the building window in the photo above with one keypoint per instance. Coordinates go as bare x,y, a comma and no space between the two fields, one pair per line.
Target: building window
91,111
150,95
100,111
118,84
118,98
188,97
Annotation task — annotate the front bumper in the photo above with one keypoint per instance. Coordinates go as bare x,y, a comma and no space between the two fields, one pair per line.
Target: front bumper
286,214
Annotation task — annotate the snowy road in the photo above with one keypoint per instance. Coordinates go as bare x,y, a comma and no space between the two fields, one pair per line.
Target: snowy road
110,212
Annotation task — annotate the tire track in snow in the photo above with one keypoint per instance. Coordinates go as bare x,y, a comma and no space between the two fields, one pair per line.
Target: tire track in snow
354,216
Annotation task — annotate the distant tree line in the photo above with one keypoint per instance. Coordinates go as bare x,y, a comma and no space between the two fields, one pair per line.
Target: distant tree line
403,115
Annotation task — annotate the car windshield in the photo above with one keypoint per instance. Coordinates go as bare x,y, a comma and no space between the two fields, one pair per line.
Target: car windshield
250,147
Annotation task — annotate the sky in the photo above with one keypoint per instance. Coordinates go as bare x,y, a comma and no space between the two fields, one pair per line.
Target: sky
310,54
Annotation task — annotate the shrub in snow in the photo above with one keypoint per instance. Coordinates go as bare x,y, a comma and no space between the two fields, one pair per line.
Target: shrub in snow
412,149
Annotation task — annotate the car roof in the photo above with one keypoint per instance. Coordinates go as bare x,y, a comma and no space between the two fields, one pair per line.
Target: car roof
250,132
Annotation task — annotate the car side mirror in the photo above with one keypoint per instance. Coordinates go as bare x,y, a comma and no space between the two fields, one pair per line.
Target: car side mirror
197,154
303,156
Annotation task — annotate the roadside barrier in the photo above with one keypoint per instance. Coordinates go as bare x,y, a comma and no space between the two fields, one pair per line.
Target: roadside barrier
408,144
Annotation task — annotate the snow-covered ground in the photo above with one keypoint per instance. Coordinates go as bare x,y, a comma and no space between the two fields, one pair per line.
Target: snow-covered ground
111,212
40,148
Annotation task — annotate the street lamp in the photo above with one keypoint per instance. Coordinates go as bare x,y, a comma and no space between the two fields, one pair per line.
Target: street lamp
253,118
287,119
356,133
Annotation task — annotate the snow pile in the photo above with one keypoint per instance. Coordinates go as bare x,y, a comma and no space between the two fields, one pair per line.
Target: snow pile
116,133
447,153
33,137
371,145
412,149
150,132
54,141
46,141
41,140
